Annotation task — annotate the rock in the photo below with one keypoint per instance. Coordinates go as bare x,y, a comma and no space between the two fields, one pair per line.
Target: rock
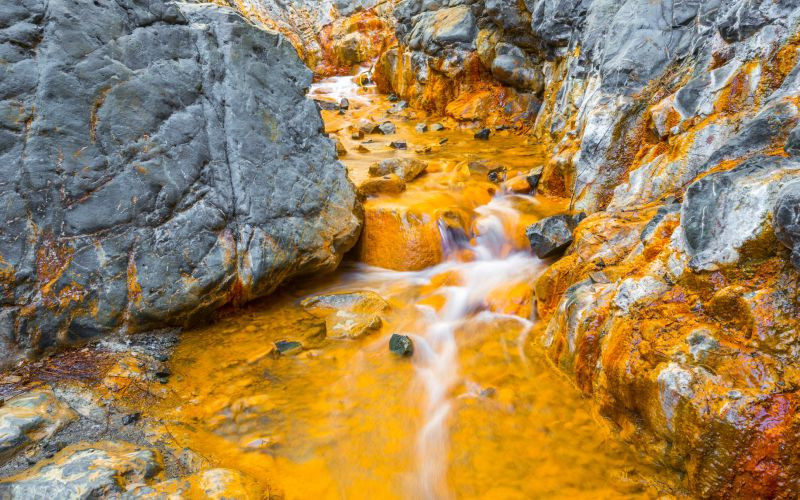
288,347
518,184
534,176
397,107
357,135
401,345
393,98
497,175
792,147
387,128
160,141
366,126
344,103
483,134
99,470
340,150
786,219
437,127
551,236
398,145
388,184
407,169
131,418
403,236
421,127
348,315
217,484
725,216
29,418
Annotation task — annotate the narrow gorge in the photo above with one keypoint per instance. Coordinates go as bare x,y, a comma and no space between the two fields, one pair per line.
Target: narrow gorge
431,249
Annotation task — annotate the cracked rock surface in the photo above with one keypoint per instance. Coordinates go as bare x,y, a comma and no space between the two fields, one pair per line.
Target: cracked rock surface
159,160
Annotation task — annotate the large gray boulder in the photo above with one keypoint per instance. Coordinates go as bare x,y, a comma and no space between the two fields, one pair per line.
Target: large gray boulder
158,161
786,219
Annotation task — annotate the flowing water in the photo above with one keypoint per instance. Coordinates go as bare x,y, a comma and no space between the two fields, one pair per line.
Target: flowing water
476,412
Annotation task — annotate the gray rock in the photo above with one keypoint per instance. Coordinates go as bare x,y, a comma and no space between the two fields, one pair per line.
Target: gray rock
437,127
786,219
421,127
387,128
101,470
147,148
483,134
406,168
792,146
551,236
401,345
725,211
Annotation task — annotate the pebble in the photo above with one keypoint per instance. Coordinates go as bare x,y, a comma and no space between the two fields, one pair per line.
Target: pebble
402,345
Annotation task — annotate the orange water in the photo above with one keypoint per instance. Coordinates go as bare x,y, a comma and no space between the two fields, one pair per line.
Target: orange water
477,412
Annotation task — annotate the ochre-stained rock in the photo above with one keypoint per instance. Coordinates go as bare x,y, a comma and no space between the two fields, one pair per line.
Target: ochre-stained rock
99,470
216,484
404,237
162,161
29,418
348,315
386,184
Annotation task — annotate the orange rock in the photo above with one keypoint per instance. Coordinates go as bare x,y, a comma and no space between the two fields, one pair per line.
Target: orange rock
388,184
518,184
402,237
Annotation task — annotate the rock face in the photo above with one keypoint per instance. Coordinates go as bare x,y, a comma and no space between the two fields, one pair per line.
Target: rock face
552,235
159,160
636,98
675,125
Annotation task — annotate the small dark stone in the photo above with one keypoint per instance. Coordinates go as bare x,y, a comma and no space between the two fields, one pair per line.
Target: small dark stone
161,357
131,418
398,145
344,103
533,180
483,134
288,347
500,128
402,345
497,175
422,127
444,141
393,98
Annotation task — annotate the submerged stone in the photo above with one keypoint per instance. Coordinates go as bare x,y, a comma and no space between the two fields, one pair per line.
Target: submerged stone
388,184
421,127
483,134
401,345
399,145
288,347
437,127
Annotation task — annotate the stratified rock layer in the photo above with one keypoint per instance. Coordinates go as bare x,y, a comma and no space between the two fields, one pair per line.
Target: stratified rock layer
158,160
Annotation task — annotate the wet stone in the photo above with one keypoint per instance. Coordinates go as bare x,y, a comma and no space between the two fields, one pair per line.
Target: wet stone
399,145
344,103
357,135
387,128
401,345
551,236
421,127
366,127
407,169
388,184
483,134
437,127
534,176
288,347
397,108
497,175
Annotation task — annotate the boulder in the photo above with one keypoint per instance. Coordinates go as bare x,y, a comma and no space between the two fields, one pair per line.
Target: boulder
387,128
29,418
161,159
407,169
552,235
